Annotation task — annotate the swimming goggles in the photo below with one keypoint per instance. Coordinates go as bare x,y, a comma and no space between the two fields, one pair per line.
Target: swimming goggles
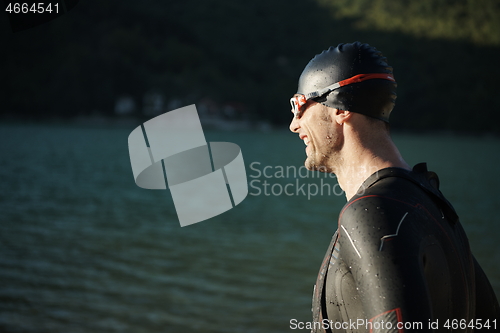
299,100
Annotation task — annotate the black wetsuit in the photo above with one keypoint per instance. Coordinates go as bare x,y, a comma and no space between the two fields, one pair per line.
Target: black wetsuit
401,255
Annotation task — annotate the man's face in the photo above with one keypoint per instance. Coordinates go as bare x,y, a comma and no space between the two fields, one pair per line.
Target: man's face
321,134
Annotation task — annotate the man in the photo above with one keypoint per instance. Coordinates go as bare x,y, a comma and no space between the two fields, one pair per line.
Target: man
400,260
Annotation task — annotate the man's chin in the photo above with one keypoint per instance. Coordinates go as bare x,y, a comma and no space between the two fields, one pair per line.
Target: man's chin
312,165
309,164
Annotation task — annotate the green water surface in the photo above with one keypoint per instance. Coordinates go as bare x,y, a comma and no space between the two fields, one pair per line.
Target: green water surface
83,249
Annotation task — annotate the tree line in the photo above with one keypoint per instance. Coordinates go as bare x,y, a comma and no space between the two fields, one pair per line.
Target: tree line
444,55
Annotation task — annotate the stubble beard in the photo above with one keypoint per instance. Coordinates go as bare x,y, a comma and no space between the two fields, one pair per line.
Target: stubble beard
328,160
313,163
326,157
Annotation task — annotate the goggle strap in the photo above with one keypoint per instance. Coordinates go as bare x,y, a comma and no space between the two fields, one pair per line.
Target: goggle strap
323,91
363,77
351,80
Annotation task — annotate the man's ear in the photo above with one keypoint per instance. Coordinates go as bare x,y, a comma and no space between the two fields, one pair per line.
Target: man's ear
341,116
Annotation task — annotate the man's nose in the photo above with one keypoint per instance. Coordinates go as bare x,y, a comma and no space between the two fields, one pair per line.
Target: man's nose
294,125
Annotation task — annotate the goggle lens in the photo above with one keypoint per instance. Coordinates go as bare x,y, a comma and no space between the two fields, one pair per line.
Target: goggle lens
297,102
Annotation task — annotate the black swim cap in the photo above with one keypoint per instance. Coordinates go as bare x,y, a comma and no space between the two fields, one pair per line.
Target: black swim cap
372,97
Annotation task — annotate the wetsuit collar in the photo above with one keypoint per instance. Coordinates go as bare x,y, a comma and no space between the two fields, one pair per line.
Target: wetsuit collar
428,181
381,174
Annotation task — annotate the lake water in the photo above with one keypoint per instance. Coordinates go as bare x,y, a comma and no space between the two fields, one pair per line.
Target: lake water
83,249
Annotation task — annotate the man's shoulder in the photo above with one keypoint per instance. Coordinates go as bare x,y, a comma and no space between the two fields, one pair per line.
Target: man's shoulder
394,192
377,207
396,186
385,201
